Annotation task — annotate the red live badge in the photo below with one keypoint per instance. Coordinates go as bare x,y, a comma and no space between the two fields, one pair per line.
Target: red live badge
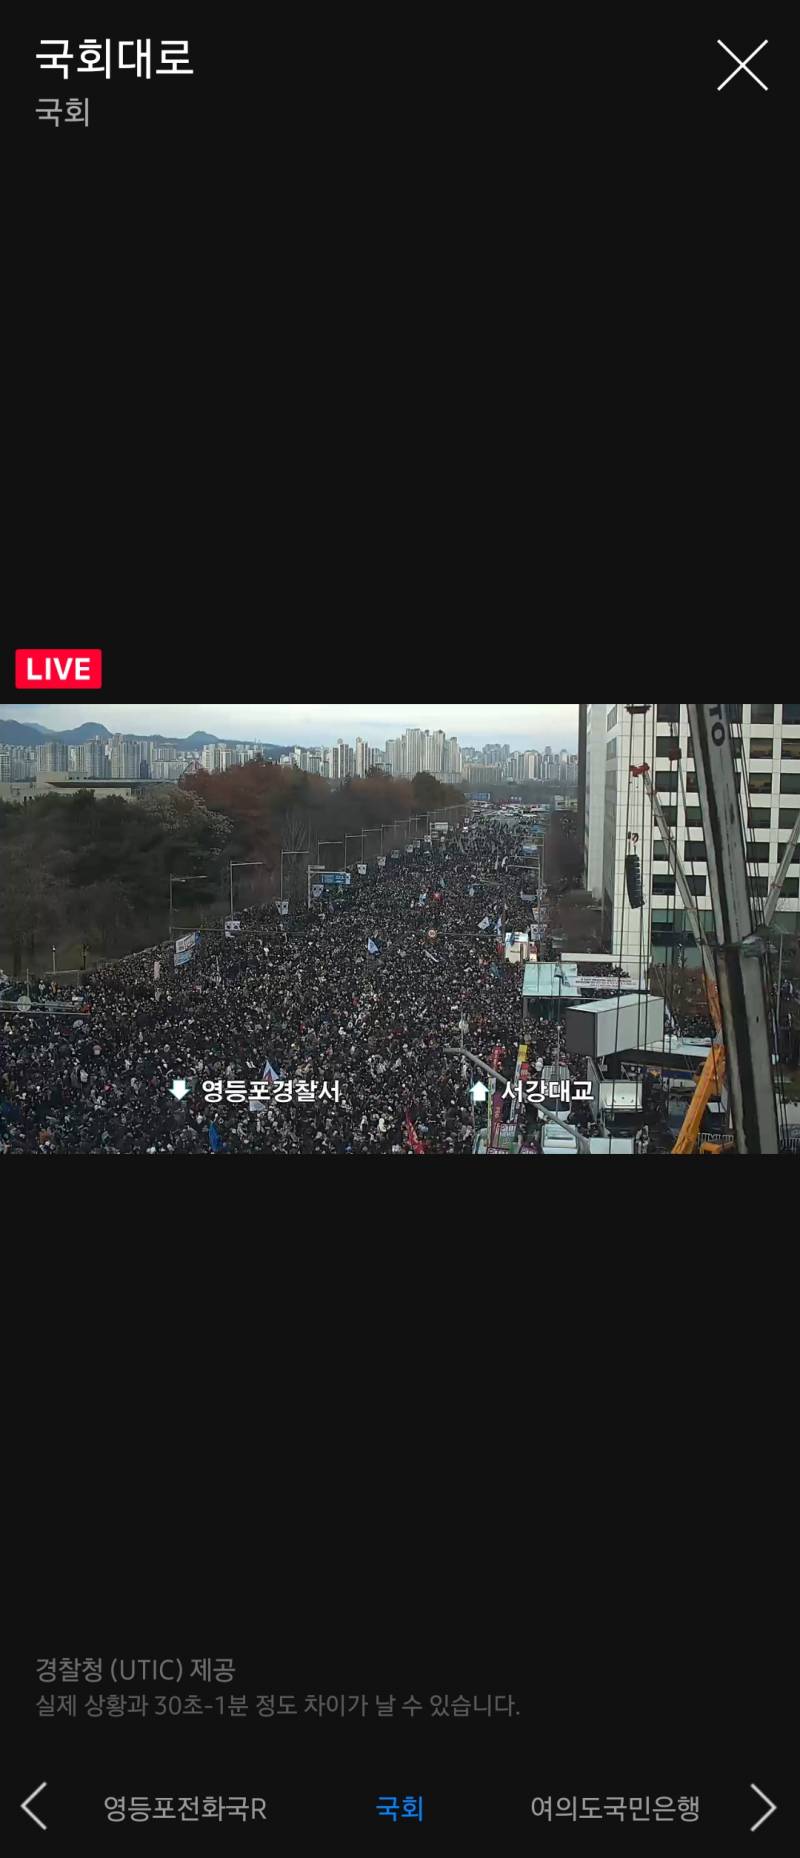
67,669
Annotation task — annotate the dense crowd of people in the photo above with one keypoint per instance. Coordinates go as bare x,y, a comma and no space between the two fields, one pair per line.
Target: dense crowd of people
304,994
693,1025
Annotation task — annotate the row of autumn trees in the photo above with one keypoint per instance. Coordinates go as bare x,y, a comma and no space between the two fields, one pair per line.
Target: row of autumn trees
273,810
77,870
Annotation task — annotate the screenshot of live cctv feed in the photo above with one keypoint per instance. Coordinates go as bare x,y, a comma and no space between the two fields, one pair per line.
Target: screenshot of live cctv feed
478,931
239,929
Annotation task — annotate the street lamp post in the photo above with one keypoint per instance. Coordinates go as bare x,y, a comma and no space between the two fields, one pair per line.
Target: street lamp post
196,878
240,865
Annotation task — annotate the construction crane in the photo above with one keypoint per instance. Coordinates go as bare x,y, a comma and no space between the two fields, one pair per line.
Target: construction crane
738,1004
712,1076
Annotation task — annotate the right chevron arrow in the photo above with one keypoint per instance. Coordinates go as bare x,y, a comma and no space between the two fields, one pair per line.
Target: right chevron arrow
771,1807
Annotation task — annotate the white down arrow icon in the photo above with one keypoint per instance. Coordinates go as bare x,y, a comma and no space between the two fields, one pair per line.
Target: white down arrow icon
771,1807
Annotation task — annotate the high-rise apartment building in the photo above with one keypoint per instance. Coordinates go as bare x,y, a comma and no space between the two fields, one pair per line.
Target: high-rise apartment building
52,758
124,759
413,753
453,757
767,750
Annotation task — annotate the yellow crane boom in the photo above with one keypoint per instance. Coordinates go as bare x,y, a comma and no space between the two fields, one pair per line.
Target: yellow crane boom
712,1076
709,1084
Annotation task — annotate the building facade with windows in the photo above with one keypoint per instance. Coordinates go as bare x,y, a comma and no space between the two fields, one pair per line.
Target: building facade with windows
591,790
767,749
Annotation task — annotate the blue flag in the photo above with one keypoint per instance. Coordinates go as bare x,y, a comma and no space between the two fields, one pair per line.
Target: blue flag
214,1139
372,947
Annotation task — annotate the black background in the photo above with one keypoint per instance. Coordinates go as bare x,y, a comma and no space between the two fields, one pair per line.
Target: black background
369,145
460,1442
262,308
355,273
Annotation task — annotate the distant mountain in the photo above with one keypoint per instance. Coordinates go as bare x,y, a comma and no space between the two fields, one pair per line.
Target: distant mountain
201,738
21,735
83,733
198,740
26,735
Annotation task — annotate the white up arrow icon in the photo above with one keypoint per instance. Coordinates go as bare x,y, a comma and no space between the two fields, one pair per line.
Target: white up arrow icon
771,1807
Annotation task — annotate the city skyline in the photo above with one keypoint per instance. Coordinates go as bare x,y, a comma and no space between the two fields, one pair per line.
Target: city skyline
123,757
321,725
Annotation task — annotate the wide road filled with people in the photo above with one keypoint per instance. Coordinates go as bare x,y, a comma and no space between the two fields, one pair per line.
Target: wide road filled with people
351,1002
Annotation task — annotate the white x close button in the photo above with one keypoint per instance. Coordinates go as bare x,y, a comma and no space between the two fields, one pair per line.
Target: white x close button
742,64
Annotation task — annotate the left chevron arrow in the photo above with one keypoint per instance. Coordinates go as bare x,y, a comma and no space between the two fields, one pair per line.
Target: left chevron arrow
26,1806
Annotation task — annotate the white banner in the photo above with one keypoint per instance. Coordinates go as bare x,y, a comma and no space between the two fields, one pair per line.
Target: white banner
362,870
282,908
184,949
232,927
156,970
381,863
604,983
316,890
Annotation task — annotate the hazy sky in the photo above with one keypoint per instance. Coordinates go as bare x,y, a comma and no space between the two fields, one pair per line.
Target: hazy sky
529,725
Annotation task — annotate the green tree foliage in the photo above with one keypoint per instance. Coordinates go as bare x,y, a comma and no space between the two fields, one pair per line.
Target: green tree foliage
75,868
428,792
